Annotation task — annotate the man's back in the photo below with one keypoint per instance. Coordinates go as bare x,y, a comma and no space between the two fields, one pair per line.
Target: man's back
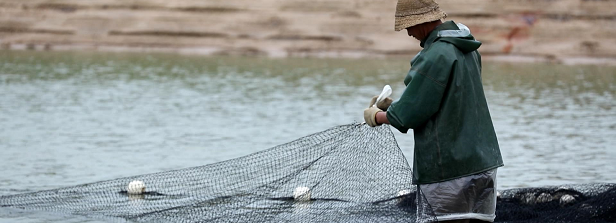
445,105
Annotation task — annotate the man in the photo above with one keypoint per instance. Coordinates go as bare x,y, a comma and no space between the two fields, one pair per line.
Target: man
456,151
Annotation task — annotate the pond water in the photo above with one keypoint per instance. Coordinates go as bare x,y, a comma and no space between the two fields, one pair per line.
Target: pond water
74,118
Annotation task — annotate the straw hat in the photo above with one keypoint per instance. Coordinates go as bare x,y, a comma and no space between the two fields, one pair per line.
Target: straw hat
415,12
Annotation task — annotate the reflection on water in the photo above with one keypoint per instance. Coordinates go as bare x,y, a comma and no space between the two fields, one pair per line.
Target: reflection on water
72,118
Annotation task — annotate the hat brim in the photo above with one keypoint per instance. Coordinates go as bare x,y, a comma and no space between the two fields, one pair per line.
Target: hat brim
403,22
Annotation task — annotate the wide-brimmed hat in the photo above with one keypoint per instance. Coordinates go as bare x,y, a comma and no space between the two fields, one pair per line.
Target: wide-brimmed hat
415,12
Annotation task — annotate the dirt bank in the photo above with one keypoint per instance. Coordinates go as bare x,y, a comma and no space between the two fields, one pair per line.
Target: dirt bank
567,31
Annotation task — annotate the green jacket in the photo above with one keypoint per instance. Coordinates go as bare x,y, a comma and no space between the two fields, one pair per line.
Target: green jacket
445,105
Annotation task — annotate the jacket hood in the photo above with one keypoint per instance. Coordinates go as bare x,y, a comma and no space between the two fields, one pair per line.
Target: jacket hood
457,34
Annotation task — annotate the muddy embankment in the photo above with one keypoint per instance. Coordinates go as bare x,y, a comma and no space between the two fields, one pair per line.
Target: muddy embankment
562,31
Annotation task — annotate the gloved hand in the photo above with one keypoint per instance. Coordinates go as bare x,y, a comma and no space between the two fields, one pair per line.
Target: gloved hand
370,116
383,104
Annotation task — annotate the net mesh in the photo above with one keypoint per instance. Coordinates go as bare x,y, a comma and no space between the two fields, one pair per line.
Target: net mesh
354,173
567,203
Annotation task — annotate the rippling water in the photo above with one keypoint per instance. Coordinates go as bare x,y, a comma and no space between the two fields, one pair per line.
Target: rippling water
73,118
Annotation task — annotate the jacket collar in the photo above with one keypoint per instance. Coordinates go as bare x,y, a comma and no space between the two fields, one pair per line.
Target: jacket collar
431,38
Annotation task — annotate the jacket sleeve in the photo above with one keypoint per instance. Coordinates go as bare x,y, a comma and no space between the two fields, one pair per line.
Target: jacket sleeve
423,94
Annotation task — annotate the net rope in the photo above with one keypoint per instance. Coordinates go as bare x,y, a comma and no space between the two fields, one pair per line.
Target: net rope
354,173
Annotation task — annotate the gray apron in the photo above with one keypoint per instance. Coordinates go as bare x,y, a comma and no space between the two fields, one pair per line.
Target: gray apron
470,197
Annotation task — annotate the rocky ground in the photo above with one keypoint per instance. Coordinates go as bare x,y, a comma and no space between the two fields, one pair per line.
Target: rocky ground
562,31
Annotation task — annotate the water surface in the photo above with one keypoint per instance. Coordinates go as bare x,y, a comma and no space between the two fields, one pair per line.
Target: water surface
73,118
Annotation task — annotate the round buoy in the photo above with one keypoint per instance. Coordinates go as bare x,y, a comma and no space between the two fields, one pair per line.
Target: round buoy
136,187
566,199
404,192
301,194
544,198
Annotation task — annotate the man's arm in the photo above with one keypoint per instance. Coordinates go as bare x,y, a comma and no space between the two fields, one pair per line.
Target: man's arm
381,118
422,97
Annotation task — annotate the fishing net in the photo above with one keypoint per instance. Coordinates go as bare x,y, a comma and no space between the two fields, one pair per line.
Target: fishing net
567,203
354,173
349,173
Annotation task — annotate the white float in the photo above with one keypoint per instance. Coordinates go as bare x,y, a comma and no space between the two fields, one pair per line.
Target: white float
136,187
301,194
566,199
403,192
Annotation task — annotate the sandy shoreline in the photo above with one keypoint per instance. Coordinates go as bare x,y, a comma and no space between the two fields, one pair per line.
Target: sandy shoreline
564,31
